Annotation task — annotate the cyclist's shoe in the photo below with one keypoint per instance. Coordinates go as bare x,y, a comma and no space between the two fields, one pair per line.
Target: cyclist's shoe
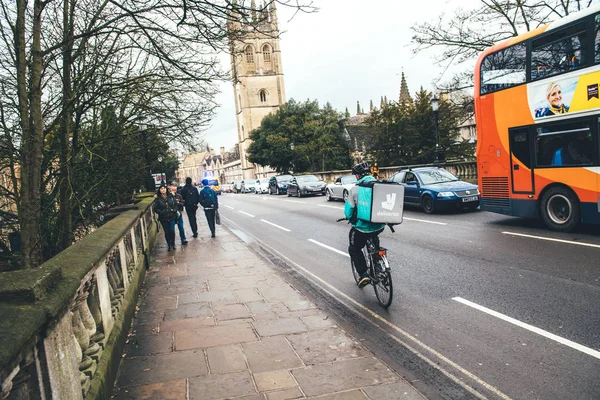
364,281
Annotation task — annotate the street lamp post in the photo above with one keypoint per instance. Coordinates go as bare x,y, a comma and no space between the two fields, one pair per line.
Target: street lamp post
162,180
148,179
435,106
293,157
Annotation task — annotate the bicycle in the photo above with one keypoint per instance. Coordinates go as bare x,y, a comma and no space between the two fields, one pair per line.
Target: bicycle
378,269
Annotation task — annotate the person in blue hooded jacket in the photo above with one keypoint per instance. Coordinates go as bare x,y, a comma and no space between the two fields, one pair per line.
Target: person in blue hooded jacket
358,204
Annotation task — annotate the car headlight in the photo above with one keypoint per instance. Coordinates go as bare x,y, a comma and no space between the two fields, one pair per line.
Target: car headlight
445,194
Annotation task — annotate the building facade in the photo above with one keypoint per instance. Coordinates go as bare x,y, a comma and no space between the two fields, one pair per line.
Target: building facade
198,166
257,79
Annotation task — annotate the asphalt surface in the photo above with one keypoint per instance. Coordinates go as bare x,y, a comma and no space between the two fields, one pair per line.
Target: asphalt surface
494,313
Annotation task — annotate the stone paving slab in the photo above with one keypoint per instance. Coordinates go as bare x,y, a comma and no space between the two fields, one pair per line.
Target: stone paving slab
339,376
216,321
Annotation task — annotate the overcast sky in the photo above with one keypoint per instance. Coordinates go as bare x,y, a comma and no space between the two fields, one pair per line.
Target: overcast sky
349,50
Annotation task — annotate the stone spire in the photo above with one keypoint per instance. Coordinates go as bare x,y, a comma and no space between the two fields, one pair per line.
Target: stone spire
385,100
273,14
381,103
404,93
358,108
371,106
347,113
264,12
253,8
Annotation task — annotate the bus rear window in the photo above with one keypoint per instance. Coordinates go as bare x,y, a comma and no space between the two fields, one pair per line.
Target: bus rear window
504,69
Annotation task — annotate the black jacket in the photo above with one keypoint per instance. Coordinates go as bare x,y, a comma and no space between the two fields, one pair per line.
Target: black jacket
166,211
190,195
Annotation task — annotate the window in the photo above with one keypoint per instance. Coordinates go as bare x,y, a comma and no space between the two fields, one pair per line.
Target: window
559,52
566,144
348,180
249,54
266,50
399,177
504,69
519,145
597,40
263,96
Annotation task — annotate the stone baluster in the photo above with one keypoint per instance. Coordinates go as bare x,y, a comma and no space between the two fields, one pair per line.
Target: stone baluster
82,340
7,385
93,303
93,350
27,384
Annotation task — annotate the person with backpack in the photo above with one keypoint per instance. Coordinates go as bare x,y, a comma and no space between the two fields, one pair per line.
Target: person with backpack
210,203
361,196
191,197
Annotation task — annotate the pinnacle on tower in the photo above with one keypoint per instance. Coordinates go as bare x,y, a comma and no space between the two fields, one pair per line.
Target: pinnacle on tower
264,12
253,8
273,14
371,106
404,93
381,103
347,113
385,100
358,108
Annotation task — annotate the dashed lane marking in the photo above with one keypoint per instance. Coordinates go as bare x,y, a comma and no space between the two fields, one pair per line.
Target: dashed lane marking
553,239
531,328
225,205
329,247
328,206
296,201
275,225
426,221
245,213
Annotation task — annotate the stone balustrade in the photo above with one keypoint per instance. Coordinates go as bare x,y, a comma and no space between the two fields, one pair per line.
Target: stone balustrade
466,170
63,325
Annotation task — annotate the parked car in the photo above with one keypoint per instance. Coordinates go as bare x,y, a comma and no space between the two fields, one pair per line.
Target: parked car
303,185
262,185
248,185
279,184
340,188
436,189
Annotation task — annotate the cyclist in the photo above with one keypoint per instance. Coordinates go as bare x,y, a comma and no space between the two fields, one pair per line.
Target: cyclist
361,197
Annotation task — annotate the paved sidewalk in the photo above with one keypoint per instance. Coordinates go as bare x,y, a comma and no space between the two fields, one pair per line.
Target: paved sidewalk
216,321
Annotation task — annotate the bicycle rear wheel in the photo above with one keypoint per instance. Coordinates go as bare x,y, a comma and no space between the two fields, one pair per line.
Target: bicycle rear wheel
384,290
367,259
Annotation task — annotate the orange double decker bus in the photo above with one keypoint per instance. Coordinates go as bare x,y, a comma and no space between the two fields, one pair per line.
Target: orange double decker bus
537,110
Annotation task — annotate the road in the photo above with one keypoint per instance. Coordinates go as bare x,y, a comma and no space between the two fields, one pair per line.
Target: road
496,307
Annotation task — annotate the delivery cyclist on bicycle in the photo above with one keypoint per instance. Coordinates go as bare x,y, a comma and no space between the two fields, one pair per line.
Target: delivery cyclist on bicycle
360,198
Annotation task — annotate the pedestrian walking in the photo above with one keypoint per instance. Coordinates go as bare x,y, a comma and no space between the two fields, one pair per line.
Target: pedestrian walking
166,209
180,206
210,203
191,197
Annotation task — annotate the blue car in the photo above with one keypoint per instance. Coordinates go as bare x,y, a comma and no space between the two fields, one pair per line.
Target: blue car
436,189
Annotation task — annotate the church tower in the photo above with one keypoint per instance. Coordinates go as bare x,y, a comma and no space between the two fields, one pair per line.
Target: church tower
257,77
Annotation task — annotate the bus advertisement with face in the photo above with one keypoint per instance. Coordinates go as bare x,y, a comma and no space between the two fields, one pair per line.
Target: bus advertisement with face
537,109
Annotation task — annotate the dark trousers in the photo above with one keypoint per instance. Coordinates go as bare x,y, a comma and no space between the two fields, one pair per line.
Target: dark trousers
358,240
169,233
191,213
210,218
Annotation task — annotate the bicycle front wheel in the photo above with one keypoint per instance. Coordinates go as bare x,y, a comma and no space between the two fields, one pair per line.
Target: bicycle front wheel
384,290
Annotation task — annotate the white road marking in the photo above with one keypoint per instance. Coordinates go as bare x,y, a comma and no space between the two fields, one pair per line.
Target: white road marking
245,213
329,247
531,328
553,239
424,220
335,207
225,205
419,353
296,201
275,225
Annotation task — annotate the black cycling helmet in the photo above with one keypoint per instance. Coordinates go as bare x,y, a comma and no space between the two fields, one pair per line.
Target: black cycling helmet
361,169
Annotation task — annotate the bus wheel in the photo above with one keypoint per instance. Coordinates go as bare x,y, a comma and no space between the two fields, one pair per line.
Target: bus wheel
560,209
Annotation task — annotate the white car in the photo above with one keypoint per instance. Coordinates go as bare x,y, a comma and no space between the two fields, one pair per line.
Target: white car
262,186
249,185
340,188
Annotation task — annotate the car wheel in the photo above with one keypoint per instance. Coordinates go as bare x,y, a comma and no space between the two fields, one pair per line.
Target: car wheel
560,209
427,203
345,195
328,195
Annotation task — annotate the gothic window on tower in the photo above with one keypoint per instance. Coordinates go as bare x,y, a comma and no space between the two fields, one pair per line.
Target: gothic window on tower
263,96
266,50
249,54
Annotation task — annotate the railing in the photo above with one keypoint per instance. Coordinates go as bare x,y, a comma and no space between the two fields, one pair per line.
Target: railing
63,325
466,170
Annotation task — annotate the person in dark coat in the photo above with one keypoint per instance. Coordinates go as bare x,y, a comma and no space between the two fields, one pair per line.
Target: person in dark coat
180,205
191,197
210,203
166,209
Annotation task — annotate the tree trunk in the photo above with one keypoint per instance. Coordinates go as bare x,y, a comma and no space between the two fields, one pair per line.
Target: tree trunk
29,213
66,220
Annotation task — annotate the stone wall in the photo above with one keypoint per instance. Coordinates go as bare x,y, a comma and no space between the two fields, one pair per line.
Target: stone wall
63,325
466,170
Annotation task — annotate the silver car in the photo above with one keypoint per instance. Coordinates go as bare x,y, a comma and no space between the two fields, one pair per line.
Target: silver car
340,188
